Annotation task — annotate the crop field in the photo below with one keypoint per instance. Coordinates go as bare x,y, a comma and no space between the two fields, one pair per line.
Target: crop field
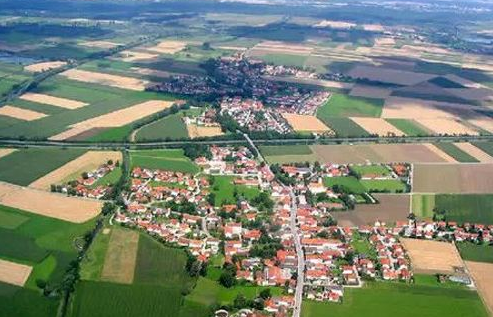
409,127
482,273
305,123
172,160
280,150
25,166
44,66
431,257
224,190
423,205
370,170
195,131
407,301
350,183
459,178
14,273
284,59
374,92
462,208
171,127
340,105
119,263
377,126
390,208
18,301
446,126
21,114
344,127
486,147
475,152
53,101
474,252
457,153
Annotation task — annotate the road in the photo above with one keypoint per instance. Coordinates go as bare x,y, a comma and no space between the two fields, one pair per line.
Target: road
298,295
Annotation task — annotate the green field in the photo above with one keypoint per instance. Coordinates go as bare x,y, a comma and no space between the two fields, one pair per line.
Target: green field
343,127
386,185
170,127
445,83
224,190
423,205
466,208
352,184
284,59
18,301
477,253
275,150
409,127
394,299
452,150
485,146
341,105
172,160
25,166
378,170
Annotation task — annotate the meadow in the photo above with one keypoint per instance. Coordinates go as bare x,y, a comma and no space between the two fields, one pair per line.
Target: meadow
477,253
225,190
384,185
343,127
458,154
351,183
485,146
340,105
278,150
173,160
18,301
27,165
372,170
170,127
409,127
466,208
394,299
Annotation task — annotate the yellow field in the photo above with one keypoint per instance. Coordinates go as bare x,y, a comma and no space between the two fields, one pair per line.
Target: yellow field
475,152
134,56
195,131
20,113
106,79
482,273
42,67
305,123
432,256
446,126
119,264
53,101
14,273
377,126
167,47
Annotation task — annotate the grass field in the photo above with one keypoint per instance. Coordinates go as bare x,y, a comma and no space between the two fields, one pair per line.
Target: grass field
409,127
284,59
25,166
18,301
452,150
352,184
172,160
386,185
224,190
423,205
343,127
466,208
274,150
341,105
170,127
476,253
393,299
485,146
377,170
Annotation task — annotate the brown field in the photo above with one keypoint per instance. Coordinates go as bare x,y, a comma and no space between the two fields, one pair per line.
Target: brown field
42,67
370,91
484,123
305,123
439,152
446,126
53,101
85,163
431,257
14,273
119,263
410,108
5,152
195,131
20,113
106,79
167,47
134,56
100,44
377,126
49,204
474,151
384,41
114,119
482,273
392,208
388,75
453,178
283,47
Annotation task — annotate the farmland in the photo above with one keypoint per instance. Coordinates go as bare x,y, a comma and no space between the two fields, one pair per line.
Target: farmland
350,183
474,252
170,127
409,127
458,154
346,106
172,160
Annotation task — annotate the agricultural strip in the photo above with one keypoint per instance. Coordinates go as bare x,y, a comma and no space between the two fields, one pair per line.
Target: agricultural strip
195,131
475,152
457,153
14,273
431,257
121,256
453,178
482,274
49,204
485,147
305,123
446,126
387,75
344,127
5,152
53,101
21,114
44,66
72,170
172,160
340,105
474,252
409,127
423,205
106,79
377,126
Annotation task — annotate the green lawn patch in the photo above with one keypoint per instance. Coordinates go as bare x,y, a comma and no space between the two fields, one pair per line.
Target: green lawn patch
173,160
92,264
423,205
284,59
351,183
170,127
272,150
343,127
224,190
477,253
384,185
340,105
409,127
371,169
452,150
25,166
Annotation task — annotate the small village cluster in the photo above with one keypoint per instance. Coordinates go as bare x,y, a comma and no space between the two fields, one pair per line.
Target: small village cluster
180,209
89,184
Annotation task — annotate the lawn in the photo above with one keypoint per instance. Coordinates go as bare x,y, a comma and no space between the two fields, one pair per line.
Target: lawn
173,160
171,127
385,185
274,150
466,208
25,166
378,170
224,190
119,134
92,264
409,127
477,253
452,150
343,127
351,183
395,299
109,179
423,205
340,105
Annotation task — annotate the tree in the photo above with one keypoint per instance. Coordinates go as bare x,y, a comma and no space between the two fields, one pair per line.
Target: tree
227,280
265,294
240,301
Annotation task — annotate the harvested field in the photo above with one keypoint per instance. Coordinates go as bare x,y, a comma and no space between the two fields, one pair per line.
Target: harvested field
431,257
387,75
453,178
84,163
100,44
117,118
14,273
475,152
53,101
305,123
106,79
392,208
282,47
42,67
121,256
482,273
484,123
377,126
369,91
20,113
48,204
195,131
409,108
5,152
373,27
439,152
384,41
134,56
168,47
446,126
376,153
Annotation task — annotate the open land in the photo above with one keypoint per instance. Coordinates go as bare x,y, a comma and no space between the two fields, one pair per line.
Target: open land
377,126
370,91
392,76
195,131
86,162
135,56
19,113
474,151
446,126
119,265
482,274
5,152
167,47
107,79
305,123
53,101
14,273
431,257
456,152
42,67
